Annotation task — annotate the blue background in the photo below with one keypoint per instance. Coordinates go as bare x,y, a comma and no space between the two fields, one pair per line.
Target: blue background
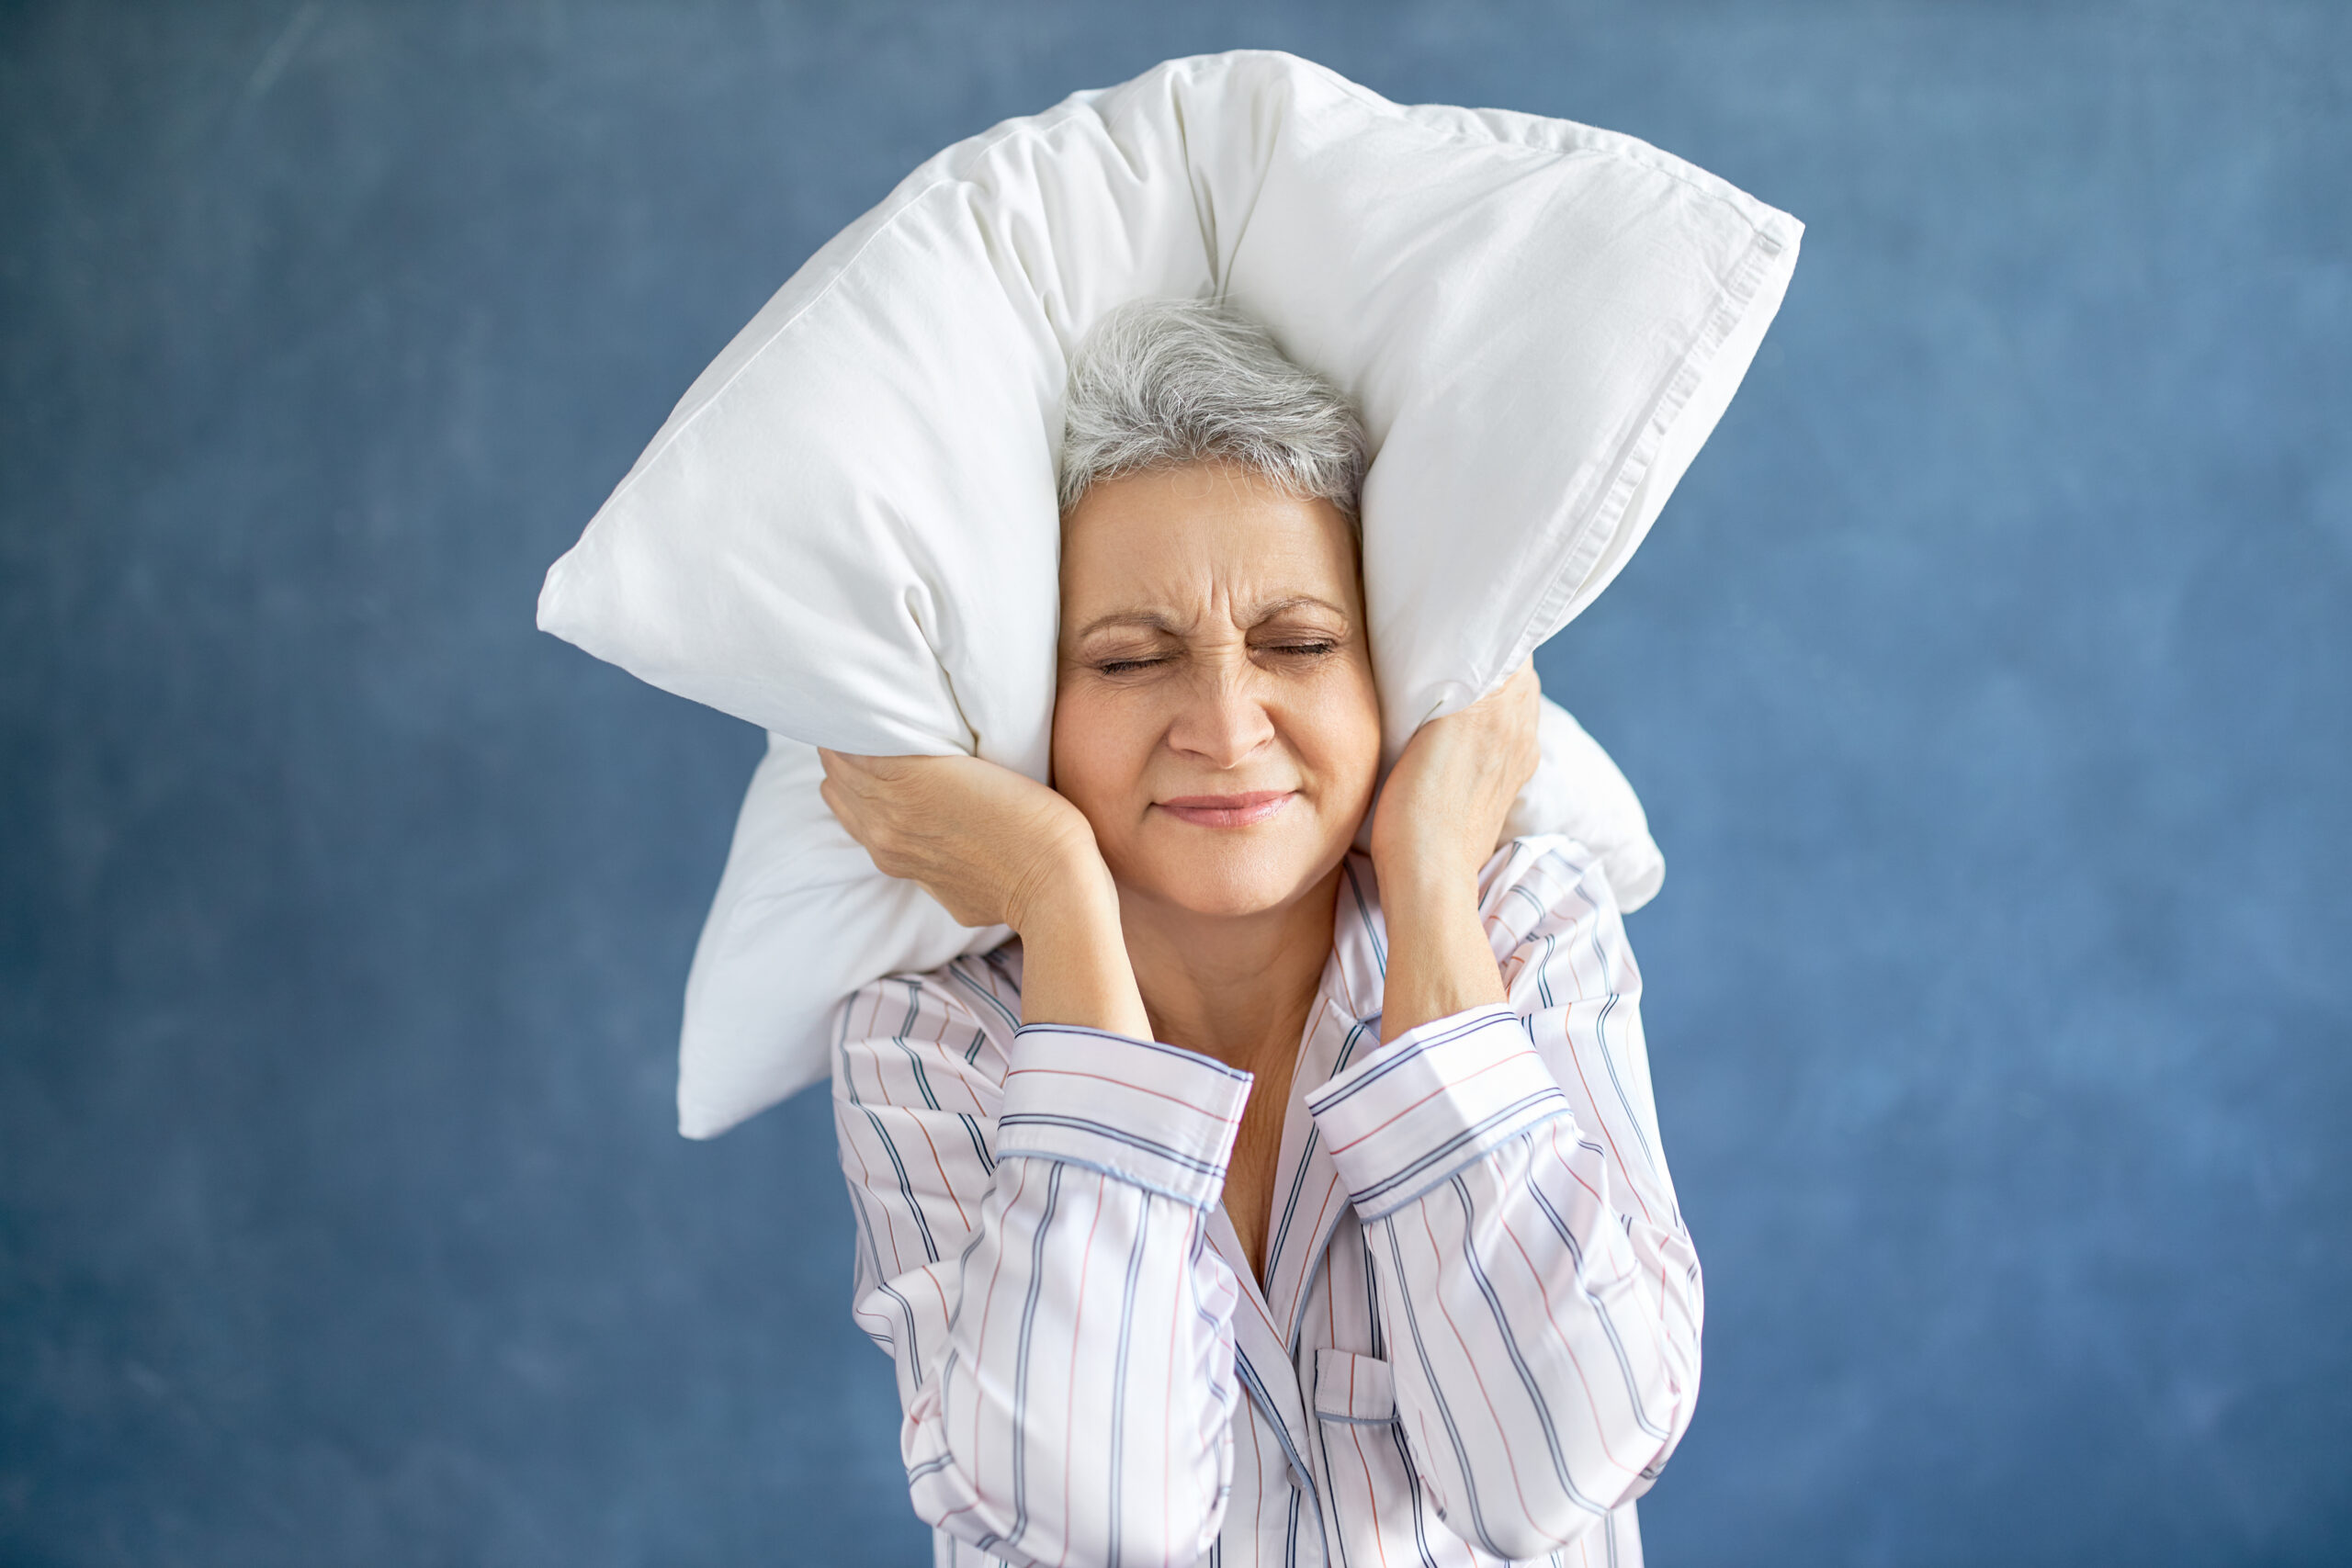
1987,683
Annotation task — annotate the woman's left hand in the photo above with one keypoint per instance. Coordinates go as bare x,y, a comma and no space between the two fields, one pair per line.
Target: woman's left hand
1440,813
1442,810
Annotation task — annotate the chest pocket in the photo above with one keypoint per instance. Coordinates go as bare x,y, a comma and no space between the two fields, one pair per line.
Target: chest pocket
1380,1511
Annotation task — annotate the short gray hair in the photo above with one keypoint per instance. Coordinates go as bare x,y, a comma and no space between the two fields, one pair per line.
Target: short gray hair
1161,382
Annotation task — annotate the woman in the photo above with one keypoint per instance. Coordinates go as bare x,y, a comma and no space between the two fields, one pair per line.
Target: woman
1264,1202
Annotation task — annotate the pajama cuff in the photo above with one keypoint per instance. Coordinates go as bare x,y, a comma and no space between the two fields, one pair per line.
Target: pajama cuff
1419,1109
1156,1115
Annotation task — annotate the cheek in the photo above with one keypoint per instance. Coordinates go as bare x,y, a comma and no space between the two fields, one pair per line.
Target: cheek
1337,730
1097,753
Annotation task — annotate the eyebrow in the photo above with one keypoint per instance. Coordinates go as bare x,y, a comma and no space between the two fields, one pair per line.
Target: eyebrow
1161,621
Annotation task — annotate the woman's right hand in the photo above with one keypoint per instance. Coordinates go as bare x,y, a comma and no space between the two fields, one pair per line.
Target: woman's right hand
999,849
993,847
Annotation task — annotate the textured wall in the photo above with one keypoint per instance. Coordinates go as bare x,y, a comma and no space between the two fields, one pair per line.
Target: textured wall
1987,683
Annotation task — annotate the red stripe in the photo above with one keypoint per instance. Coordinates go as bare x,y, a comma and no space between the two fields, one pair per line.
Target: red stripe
1077,1331
1592,1100
1502,1436
1510,1060
1568,1347
1192,1105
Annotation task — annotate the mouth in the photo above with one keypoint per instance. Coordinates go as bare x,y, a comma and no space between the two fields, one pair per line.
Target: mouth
1228,810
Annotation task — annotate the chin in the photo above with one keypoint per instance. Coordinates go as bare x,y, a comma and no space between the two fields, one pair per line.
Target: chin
1230,881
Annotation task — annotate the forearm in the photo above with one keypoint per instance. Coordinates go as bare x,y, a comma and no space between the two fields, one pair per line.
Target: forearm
1519,1261
1070,1391
1074,965
1507,1168
1440,961
1441,811
1085,1403
1499,1243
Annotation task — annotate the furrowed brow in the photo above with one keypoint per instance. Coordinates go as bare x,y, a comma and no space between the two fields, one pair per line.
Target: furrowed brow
1144,620
1267,611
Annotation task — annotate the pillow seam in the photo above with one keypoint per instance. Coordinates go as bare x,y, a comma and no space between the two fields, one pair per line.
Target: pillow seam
1739,292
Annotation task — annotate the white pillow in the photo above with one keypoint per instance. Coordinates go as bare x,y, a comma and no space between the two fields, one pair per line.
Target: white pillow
847,532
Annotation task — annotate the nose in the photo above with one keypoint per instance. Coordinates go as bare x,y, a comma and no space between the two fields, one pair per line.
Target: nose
1224,721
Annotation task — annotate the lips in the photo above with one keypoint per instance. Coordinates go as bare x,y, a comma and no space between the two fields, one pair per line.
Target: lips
1228,810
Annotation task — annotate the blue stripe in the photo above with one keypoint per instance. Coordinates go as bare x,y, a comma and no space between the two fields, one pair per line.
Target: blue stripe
1290,1204
1323,1441
1257,1387
1119,1380
1600,1026
881,1280
1101,1129
1307,1295
1420,1525
914,1014
1190,1200
1444,1413
955,972
963,1262
906,1188
1468,1135
906,1310
980,1143
1319,1249
1021,1376
1503,1331
1379,1069
1356,1032
1236,1074
1600,1308
1363,915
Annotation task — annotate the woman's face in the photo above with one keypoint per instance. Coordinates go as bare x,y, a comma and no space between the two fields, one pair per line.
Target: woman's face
1216,719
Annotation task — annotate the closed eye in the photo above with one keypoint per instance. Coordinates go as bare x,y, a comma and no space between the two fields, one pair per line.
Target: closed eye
1301,650
1129,666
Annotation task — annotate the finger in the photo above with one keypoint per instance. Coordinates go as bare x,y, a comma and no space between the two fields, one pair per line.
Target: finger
845,765
890,770
839,802
1512,688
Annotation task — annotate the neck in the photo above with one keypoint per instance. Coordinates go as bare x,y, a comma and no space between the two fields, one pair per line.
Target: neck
1237,987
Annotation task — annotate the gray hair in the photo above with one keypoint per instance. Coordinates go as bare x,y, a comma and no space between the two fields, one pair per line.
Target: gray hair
1161,382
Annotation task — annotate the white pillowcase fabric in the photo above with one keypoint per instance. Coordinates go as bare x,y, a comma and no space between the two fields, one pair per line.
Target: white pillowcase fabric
847,532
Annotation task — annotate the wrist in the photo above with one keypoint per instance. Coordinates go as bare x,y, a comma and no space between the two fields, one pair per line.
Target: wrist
1067,885
1075,969
1440,960
1073,913
1425,875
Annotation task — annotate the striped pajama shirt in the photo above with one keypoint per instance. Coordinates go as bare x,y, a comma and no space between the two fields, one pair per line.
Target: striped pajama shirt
1477,1337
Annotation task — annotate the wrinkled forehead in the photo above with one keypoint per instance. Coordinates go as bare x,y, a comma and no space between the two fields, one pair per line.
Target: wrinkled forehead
1206,541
